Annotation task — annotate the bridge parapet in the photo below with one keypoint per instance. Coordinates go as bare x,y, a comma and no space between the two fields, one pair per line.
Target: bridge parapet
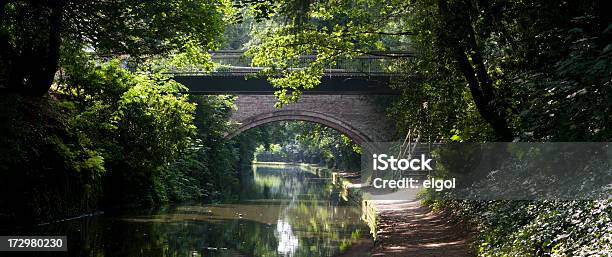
231,63
360,75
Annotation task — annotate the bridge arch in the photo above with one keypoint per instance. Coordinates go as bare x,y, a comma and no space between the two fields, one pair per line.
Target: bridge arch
351,98
357,116
317,117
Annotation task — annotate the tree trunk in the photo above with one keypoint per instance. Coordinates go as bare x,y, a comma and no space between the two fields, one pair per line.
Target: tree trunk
43,76
29,64
461,39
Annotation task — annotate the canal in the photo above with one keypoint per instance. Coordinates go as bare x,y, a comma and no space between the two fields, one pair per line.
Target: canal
283,210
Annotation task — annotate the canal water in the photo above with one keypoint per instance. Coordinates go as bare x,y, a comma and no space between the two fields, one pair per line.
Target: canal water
284,210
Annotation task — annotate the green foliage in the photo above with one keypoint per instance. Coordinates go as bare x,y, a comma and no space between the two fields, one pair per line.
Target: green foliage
325,29
154,127
119,129
537,228
146,143
154,121
116,130
485,71
300,141
52,165
482,69
135,118
183,181
33,32
222,159
570,100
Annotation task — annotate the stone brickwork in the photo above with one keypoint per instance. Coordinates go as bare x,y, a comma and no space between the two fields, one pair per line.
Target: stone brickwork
361,117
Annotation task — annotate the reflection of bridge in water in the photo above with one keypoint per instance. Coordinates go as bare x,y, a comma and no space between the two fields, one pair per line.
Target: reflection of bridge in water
351,97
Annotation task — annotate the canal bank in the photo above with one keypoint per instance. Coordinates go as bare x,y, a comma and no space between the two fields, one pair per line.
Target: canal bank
405,227
281,210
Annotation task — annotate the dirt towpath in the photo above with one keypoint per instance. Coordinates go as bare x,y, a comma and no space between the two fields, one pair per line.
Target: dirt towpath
408,228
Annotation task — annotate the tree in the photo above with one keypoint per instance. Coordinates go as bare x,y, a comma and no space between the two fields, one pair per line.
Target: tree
482,48
32,33
349,28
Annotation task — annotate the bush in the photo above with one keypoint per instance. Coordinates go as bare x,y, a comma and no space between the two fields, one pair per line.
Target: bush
48,170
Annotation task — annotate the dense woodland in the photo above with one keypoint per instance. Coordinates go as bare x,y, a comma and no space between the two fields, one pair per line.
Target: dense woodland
92,121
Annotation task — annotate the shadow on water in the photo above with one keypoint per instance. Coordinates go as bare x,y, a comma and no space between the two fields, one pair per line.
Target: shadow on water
283,211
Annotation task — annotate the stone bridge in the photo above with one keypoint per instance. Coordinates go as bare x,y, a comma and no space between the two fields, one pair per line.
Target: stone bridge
360,117
351,98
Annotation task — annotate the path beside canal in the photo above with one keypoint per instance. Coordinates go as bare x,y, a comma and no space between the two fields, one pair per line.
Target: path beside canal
408,228
405,227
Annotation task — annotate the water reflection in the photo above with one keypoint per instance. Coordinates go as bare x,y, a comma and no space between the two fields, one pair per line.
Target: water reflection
283,211
287,241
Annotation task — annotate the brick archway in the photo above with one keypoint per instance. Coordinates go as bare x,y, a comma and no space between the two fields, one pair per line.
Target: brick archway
316,117
358,116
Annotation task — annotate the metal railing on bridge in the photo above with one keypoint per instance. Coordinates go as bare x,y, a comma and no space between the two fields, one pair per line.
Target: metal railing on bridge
366,74
236,63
